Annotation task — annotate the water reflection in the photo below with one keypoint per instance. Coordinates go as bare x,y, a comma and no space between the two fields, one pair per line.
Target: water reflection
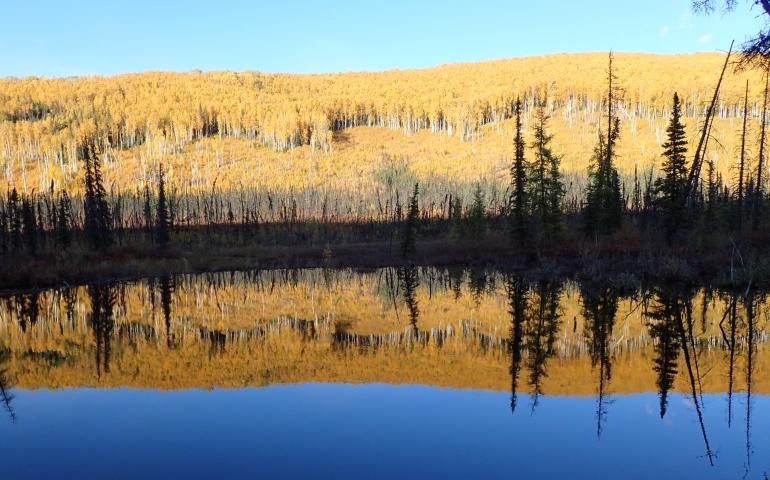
447,328
600,307
5,385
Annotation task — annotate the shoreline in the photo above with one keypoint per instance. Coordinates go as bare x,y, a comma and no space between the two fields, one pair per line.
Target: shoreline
605,262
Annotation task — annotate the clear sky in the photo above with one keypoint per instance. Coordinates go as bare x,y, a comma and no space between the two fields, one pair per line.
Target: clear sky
77,37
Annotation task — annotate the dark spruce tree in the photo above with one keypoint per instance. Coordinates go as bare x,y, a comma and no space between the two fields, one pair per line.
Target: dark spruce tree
476,224
603,212
671,188
409,237
3,227
149,224
64,221
14,219
519,221
29,221
546,187
97,212
163,220
604,198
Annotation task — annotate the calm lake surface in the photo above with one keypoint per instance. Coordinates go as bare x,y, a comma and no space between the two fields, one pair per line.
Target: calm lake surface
410,373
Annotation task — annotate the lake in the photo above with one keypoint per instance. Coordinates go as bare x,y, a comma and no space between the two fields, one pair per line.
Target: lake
408,372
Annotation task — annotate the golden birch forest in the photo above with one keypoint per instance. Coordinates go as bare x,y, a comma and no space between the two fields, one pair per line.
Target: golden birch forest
342,131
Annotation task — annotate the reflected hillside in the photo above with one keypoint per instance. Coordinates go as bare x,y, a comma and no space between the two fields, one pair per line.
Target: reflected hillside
458,328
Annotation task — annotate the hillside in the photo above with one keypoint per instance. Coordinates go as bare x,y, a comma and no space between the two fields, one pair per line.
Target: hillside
350,131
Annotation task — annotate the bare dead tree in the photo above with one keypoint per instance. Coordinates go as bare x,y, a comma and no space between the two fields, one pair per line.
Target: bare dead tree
700,152
758,194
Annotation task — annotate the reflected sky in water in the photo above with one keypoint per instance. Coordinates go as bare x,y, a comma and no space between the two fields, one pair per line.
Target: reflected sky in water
372,431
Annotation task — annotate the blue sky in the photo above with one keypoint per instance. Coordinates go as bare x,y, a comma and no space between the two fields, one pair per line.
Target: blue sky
78,37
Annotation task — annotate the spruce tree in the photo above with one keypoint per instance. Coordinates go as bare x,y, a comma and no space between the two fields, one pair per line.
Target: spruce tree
163,220
538,178
546,187
3,227
476,226
603,211
556,194
604,198
712,193
29,221
518,201
409,239
97,212
14,219
64,220
456,228
149,224
672,187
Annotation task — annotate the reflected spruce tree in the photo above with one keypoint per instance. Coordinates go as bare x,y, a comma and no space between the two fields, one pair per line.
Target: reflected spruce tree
102,323
517,301
478,283
680,308
456,276
26,307
70,297
751,302
166,285
217,342
600,306
409,280
5,384
729,338
665,336
540,334
392,287
708,296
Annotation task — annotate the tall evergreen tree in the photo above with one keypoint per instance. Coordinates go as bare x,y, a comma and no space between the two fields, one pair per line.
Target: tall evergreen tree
64,221
603,211
149,224
97,212
163,220
476,226
456,227
409,239
604,198
518,201
29,221
14,219
555,196
3,227
712,193
546,188
672,187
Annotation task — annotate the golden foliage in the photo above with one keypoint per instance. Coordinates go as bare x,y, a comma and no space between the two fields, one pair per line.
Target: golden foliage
292,131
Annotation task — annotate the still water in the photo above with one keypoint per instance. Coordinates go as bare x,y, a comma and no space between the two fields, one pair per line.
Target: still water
409,373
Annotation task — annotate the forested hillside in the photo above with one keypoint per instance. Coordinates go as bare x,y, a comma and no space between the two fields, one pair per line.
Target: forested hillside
351,130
